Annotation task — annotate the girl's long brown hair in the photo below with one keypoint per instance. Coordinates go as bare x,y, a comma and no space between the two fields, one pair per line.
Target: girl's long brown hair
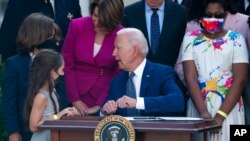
40,74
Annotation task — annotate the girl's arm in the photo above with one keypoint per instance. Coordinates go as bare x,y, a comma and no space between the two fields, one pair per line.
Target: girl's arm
190,74
70,111
235,91
38,107
240,70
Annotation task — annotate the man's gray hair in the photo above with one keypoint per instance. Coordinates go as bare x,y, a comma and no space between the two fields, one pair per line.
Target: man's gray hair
135,37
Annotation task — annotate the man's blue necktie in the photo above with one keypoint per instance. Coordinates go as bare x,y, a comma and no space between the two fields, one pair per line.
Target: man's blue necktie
130,92
155,31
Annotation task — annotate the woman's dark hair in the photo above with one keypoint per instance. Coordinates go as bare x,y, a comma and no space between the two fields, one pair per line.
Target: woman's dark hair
206,2
110,12
34,30
195,8
40,74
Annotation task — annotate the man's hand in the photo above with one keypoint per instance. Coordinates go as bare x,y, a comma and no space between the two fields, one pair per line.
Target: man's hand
15,137
81,107
126,102
109,108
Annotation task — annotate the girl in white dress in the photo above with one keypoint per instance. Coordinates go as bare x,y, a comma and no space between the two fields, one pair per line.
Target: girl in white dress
215,64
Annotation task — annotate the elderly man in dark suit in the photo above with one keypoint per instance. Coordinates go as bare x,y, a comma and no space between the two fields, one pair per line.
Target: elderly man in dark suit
62,11
144,88
163,23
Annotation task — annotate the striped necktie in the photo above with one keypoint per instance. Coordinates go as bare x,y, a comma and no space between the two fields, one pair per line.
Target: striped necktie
130,92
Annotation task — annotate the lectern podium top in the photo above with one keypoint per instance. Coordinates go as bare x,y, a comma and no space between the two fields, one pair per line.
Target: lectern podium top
172,124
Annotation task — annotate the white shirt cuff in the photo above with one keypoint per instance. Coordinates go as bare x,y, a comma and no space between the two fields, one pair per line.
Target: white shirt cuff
140,103
101,114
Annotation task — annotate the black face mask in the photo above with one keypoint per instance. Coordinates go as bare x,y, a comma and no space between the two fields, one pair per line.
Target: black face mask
49,44
60,81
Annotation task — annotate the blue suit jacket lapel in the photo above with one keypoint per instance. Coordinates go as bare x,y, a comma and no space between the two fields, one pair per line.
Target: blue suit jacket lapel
146,76
166,27
24,63
124,79
121,90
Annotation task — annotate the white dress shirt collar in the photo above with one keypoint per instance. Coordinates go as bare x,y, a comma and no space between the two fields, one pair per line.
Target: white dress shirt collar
137,83
246,3
53,4
139,70
32,56
179,1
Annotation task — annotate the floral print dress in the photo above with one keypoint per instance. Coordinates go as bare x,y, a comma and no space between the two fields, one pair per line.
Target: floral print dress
213,60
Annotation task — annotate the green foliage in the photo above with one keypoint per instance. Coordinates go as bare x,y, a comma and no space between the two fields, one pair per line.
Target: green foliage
3,133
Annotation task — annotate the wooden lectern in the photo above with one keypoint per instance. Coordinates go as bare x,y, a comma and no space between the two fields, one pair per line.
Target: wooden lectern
82,129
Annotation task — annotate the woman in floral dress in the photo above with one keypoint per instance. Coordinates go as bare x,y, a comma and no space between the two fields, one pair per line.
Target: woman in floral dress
215,64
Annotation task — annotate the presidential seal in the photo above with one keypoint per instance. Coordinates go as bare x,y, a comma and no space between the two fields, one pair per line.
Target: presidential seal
114,128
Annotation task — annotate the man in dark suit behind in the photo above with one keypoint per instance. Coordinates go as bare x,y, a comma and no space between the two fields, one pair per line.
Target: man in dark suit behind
246,97
60,10
172,27
242,6
151,92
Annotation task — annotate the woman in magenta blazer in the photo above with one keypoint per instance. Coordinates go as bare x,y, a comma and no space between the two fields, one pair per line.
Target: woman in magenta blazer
87,51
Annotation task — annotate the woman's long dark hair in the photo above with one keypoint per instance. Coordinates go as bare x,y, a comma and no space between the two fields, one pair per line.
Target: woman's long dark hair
110,12
35,30
40,74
